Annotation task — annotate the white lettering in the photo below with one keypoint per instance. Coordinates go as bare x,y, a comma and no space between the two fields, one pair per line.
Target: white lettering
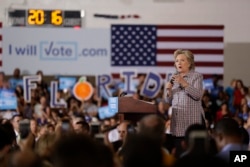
240,158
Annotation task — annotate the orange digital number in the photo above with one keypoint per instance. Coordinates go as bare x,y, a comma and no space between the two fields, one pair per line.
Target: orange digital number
56,17
36,17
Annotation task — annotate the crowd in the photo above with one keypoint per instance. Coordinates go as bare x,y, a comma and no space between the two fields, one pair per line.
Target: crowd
37,135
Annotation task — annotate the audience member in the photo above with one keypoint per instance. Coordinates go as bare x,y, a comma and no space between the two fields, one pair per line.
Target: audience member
3,81
197,145
222,112
79,150
15,122
24,158
5,145
142,150
153,126
15,79
238,95
228,136
42,85
123,133
44,147
230,92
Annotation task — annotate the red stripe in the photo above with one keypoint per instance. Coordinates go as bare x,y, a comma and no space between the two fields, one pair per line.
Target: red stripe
195,51
204,64
115,75
191,39
200,27
1,25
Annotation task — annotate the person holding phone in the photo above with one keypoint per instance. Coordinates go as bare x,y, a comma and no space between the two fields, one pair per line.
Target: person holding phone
184,94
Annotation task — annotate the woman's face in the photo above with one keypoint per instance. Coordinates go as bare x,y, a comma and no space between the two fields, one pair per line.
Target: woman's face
181,63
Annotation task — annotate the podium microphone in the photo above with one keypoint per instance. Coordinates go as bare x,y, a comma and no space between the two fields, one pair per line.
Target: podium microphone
123,94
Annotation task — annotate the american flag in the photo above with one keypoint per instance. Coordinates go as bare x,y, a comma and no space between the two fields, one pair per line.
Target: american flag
1,44
146,48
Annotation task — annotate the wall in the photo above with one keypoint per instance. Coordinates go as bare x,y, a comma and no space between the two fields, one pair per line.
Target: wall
233,14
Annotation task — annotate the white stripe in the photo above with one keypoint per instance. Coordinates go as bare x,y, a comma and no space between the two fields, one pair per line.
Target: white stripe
190,33
198,57
1,44
163,70
190,45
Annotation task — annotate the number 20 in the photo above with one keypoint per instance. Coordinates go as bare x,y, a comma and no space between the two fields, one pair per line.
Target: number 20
36,17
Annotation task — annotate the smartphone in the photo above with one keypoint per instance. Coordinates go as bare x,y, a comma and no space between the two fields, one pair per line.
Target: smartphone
65,125
24,128
95,128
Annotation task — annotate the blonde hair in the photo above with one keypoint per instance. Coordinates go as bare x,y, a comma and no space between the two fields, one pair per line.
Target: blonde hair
188,54
45,144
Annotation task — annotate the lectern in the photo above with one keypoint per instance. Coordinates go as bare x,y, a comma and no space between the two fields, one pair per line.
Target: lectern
133,110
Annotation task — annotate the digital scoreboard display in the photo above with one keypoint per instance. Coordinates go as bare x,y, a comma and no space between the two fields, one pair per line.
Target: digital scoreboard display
45,18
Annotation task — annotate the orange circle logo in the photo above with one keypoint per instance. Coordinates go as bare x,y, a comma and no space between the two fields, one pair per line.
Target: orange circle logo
83,90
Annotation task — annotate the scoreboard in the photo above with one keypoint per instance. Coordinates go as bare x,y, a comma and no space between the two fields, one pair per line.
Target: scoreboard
45,18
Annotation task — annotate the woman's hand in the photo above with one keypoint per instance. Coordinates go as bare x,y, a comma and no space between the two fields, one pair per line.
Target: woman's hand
169,85
179,79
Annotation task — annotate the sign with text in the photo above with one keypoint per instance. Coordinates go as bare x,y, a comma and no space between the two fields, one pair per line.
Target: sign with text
110,110
8,100
56,51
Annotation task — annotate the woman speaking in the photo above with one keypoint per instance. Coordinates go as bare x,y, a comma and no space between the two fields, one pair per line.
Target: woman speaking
184,94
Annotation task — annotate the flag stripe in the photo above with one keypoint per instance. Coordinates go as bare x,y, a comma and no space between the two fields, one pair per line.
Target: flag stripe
192,27
1,42
161,69
190,33
195,51
198,57
190,45
117,75
202,64
190,39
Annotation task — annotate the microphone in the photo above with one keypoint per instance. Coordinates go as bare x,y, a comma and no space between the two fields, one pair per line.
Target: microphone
172,83
172,79
123,94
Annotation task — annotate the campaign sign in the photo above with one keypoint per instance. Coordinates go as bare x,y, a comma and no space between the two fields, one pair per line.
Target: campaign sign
110,110
113,105
239,158
66,82
208,84
8,100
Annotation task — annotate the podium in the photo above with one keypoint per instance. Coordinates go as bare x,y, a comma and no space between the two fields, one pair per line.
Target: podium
133,109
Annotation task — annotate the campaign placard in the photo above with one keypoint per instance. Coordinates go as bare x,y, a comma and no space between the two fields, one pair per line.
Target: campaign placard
8,100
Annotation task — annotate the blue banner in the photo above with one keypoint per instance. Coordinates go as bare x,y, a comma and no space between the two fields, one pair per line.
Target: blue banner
110,110
8,100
